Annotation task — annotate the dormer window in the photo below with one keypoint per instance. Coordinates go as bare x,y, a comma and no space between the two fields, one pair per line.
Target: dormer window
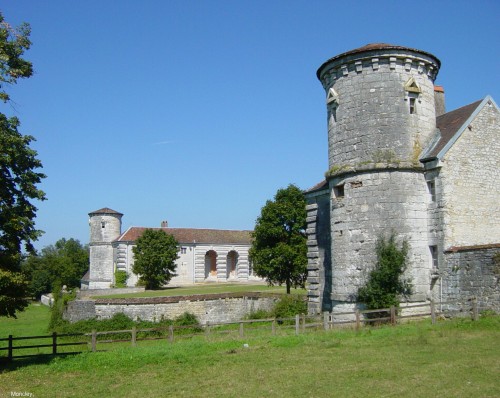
412,94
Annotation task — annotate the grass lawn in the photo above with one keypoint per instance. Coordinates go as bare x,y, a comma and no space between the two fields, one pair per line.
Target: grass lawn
458,358
208,288
33,321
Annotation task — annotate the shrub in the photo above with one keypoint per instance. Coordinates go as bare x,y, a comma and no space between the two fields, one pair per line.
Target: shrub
120,278
385,283
289,306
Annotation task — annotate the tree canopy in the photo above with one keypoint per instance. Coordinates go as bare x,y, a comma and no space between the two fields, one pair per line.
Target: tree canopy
279,250
63,263
18,176
154,258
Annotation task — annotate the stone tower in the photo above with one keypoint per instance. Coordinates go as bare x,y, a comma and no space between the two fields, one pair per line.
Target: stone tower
105,226
381,114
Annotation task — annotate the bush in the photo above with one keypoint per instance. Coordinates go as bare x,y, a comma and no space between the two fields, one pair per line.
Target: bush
385,283
120,278
289,306
188,321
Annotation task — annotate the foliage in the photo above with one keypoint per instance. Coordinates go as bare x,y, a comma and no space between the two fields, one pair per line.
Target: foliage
120,278
61,299
289,306
279,251
154,258
64,263
18,178
385,283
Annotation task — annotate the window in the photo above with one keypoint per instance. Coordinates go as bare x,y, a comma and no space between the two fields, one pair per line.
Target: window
413,108
339,191
431,185
103,224
183,250
434,257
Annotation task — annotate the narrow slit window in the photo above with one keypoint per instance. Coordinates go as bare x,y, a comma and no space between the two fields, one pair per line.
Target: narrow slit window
434,257
431,185
103,224
413,106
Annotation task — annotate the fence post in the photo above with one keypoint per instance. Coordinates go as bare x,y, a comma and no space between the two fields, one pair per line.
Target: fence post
171,333
433,312
325,320
475,312
134,336
303,316
54,343
94,340
393,315
358,320
11,348
297,324
241,329
273,327
207,329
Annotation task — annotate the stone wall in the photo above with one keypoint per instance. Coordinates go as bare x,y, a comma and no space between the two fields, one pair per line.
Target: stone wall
207,308
472,272
470,183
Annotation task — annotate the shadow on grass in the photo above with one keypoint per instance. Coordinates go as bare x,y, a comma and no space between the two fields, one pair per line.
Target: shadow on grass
41,359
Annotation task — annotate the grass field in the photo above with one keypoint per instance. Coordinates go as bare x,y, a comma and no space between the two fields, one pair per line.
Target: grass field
208,288
33,321
458,358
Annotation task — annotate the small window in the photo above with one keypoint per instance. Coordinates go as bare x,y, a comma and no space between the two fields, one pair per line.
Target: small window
183,250
434,257
339,191
333,113
431,185
103,224
413,106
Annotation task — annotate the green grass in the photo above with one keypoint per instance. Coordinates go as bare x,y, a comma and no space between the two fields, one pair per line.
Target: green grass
33,321
456,358
207,289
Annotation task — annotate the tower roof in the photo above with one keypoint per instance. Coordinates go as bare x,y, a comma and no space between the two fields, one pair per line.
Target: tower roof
374,47
105,210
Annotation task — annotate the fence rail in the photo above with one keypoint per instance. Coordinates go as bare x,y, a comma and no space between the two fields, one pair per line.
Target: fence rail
299,323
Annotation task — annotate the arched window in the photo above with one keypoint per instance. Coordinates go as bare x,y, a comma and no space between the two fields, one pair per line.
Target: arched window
210,264
232,264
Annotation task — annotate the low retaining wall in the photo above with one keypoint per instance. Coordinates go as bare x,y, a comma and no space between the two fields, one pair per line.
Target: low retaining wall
228,307
108,292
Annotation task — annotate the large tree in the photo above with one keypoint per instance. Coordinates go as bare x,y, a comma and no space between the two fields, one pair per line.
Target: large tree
279,250
154,258
18,176
63,263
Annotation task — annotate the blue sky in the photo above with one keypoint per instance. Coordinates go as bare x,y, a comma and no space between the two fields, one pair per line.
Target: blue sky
196,112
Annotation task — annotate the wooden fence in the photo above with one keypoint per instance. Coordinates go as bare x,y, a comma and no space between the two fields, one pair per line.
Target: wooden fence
298,324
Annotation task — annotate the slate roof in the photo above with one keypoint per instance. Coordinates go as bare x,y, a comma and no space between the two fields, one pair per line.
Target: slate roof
192,235
105,210
318,187
449,125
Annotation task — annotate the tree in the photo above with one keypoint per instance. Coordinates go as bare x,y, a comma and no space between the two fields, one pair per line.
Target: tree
18,176
154,258
279,250
385,282
63,263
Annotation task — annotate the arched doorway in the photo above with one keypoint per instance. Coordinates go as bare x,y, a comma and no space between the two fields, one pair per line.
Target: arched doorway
232,265
210,264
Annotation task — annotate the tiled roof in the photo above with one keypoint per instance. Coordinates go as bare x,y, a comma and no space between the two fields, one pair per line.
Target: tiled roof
105,210
449,124
191,235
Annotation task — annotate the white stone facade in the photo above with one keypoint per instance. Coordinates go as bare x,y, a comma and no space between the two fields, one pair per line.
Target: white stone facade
205,255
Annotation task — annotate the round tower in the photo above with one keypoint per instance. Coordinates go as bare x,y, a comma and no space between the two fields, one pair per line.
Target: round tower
105,226
381,114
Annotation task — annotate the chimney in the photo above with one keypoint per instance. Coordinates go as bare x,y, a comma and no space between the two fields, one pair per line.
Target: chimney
164,224
439,100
